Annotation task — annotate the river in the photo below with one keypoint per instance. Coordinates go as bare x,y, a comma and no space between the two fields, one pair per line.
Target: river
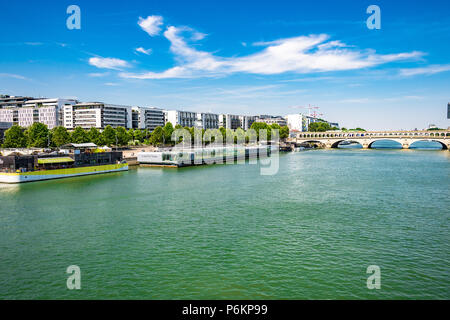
226,232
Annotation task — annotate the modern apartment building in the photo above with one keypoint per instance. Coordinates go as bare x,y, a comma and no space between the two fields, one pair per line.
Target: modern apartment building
147,118
246,121
183,118
97,115
24,112
297,122
13,101
271,120
207,120
229,121
3,127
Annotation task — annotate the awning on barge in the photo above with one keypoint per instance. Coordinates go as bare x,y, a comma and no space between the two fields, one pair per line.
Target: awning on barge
55,160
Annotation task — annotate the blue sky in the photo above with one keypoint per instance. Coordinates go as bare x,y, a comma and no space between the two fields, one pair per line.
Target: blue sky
257,57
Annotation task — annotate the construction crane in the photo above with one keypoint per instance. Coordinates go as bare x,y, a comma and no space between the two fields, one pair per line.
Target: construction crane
313,114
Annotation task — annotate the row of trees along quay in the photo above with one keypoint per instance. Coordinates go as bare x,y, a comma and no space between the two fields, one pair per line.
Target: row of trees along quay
39,136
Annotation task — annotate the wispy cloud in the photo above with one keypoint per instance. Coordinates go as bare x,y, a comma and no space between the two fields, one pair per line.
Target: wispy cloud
302,55
108,63
429,70
34,43
98,74
144,51
12,75
151,24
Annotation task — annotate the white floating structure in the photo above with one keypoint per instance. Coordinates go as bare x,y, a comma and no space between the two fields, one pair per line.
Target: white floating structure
179,157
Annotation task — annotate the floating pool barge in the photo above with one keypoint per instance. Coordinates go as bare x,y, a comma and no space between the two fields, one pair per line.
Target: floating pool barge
183,157
82,160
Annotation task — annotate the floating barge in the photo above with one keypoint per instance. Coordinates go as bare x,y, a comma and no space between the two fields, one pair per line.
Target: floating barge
182,157
76,160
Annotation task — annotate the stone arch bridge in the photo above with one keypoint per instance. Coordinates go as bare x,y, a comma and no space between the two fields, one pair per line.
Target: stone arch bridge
331,139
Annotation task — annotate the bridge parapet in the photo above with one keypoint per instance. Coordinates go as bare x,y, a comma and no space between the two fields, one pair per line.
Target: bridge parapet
330,139
444,134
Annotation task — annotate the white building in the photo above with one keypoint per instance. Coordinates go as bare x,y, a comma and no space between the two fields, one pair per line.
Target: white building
246,121
97,115
272,120
207,120
297,122
183,118
229,121
26,112
147,118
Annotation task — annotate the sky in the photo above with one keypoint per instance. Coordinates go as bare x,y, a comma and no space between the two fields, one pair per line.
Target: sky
238,57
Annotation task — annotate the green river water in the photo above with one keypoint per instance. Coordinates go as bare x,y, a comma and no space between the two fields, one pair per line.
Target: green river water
226,232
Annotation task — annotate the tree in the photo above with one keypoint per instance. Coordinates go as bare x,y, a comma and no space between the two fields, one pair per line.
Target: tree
139,135
38,135
168,130
131,133
319,127
15,138
95,136
257,126
157,136
109,136
284,132
122,136
60,136
79,135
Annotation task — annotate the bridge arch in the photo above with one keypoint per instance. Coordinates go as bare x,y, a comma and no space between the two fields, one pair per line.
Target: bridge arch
336,144
443,145
399,142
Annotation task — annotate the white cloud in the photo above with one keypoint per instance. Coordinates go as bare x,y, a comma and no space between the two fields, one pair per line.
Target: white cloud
98,74
11,75
429,70
302,55
144,51
151,24
108,63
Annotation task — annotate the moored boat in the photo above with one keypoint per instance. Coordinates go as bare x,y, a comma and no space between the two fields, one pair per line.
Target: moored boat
74,160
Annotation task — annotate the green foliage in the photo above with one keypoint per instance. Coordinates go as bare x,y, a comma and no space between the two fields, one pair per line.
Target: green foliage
284,132
257,126
15,138
122,136
139,135
356,129
79,135
168,130
109,136
60,136
38,135
95,136
319,127
157,136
